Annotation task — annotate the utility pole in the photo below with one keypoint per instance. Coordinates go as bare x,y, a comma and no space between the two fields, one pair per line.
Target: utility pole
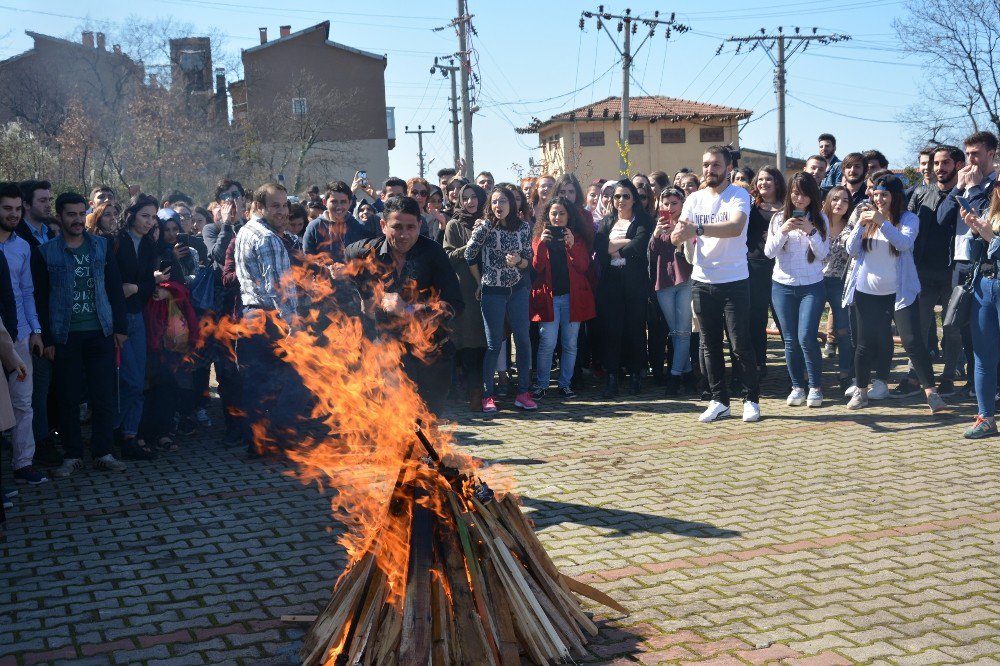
420,143
450,70
463,23
780,57
629,25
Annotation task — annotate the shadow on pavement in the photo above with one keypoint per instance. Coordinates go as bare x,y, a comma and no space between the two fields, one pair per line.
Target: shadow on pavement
622,522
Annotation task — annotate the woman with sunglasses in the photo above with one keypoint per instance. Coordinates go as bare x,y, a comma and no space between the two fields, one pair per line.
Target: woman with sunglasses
621,248
671,273
883,288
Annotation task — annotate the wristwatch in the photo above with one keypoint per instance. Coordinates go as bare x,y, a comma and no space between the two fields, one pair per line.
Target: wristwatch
36,331
813,232
700,229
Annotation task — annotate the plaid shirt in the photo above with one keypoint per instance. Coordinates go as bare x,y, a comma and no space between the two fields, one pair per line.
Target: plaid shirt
263,269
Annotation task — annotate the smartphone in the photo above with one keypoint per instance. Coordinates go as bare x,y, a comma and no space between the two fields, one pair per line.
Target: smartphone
165,266
558,233
184,239
363,177
965,204
798,213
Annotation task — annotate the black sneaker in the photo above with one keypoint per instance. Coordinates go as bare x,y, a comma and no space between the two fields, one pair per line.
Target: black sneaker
567,392
538,394
946,387
133,450
673,387
28,474
906,389
46,454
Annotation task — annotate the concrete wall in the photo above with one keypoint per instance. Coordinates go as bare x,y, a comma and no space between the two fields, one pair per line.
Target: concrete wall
566,153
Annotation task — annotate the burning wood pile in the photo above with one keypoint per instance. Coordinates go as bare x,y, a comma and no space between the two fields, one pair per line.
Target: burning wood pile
440,569
479,587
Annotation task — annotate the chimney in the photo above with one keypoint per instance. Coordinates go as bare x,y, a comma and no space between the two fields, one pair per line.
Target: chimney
117,48
88,39
220,81
263,35
101,41
285,30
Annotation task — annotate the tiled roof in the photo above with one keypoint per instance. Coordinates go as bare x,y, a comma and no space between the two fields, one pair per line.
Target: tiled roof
655,106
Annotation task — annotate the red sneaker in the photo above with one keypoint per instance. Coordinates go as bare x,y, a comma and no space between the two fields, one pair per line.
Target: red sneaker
525,401
489,406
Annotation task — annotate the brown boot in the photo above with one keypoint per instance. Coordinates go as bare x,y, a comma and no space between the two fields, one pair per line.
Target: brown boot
476,399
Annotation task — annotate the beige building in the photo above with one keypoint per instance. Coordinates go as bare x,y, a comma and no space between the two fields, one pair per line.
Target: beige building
664,133
755,159
314,109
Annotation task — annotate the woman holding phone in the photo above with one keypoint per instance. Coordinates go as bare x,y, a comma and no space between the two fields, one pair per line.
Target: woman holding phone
837,208
798,242
883,288
985,317
671,274
561,296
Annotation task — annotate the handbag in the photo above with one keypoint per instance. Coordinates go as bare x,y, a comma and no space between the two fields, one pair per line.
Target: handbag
959,309
204,294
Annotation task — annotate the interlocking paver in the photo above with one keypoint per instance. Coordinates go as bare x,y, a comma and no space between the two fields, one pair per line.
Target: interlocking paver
813,537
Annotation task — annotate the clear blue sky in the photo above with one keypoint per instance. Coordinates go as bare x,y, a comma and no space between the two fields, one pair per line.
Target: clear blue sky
532,56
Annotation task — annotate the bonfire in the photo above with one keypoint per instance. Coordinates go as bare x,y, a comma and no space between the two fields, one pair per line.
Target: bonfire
441,568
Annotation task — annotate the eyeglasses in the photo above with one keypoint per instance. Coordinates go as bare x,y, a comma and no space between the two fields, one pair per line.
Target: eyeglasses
622,197
419,193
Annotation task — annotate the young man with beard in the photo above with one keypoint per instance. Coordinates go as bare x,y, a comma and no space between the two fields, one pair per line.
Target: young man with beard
28,340
855,169
715,218
83,311
828,150
932,255
414,269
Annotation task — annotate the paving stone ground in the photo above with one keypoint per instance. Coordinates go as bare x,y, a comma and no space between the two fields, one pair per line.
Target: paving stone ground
816,536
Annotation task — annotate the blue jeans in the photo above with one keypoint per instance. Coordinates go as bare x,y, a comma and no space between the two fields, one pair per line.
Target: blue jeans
560,327
514,304
985,333
675,303
799,310
841,324
133,376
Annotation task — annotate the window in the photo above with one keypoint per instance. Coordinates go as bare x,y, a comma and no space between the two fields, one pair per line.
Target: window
591,138
299,106
672,135
711,134
636,137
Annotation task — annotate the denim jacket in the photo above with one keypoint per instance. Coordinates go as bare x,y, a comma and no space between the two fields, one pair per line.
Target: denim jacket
56,276
903,238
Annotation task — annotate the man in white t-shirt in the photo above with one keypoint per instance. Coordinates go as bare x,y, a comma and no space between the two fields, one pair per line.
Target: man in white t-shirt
715,220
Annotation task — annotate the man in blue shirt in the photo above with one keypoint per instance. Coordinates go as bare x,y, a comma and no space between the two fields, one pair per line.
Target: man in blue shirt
17,252
828,150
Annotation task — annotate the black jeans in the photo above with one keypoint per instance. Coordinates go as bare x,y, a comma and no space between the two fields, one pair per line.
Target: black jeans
433,380
87,359
874,316
621,310
726,307
935,289
760,302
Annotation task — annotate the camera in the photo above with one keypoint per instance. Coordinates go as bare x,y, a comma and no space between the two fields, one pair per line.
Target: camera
558,233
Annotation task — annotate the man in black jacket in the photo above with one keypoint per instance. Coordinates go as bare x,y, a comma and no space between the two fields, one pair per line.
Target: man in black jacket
415,272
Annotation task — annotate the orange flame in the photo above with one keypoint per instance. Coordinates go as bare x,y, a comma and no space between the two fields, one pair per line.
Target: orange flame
367,404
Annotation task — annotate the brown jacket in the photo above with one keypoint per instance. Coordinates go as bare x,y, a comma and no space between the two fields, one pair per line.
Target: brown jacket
10,361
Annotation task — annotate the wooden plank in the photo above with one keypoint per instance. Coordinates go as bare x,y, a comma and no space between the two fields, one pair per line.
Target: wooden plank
509,652
415,642
590,592
331,624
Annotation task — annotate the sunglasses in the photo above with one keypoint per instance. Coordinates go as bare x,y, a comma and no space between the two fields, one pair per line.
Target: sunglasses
230,196
419,193
622,197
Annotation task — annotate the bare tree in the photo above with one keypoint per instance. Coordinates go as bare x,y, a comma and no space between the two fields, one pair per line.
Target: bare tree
959,40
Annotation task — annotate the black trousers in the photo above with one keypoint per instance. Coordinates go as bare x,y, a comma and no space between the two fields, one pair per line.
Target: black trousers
433,379
760,303
621,309
86,362
874,316
725,307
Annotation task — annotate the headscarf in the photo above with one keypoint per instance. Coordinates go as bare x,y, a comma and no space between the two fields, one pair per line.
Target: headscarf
599,212
466,218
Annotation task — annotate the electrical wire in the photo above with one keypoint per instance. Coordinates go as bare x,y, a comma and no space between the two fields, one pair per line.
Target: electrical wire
868,120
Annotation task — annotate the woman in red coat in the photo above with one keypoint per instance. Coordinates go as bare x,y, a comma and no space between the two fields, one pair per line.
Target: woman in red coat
561,295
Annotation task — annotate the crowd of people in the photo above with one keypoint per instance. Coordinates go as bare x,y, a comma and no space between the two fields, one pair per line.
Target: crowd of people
623,283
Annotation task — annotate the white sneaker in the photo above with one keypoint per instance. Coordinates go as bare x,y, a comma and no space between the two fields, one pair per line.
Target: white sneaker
796,397
69,467
878,391
751,411
716,410
815,398
851,390
110,463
